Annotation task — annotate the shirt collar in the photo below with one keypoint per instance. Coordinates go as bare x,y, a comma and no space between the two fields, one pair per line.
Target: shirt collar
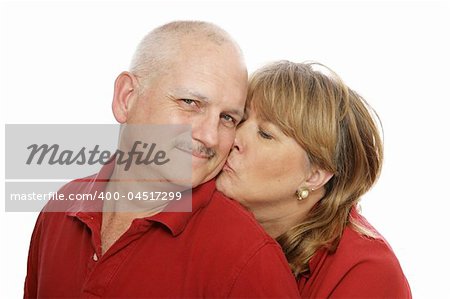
90,185
175,221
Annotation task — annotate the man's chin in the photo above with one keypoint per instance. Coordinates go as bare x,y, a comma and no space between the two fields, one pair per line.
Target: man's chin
198,179
202,173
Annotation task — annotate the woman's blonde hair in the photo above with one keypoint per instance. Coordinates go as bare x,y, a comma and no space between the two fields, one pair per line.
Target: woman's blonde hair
337,129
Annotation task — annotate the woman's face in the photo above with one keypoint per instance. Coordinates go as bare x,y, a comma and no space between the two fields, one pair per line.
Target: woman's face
265,167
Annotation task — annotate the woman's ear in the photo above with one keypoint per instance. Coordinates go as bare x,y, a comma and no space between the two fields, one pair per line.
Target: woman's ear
125,88
318,178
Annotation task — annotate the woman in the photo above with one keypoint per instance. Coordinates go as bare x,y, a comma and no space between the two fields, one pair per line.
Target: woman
307,152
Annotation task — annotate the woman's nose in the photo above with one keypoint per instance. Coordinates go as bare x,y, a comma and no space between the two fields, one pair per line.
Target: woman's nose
239,140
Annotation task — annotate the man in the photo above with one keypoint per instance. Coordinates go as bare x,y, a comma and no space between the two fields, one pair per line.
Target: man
182,73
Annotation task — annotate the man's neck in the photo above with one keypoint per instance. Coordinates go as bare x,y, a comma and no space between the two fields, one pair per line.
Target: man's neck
118,216
137,194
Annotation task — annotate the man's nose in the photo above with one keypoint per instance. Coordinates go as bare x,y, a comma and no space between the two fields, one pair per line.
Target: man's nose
207,131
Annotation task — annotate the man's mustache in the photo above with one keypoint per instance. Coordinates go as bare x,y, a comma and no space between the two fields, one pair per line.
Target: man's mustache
196,148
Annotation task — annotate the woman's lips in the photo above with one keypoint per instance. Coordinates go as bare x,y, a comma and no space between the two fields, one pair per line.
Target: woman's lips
228,167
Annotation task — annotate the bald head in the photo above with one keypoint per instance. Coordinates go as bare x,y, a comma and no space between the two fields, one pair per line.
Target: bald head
187,73
159,49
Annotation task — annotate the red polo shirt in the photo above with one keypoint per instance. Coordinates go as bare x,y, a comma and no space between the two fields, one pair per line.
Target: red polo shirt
361,267
217,250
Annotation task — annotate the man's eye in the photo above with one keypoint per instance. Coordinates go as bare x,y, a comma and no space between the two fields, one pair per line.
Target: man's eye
264,134
229,118
188,101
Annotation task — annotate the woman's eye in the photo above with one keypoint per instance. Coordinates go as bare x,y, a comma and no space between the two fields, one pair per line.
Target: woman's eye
264,134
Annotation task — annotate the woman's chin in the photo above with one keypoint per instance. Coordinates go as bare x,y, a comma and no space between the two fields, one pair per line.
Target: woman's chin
223,183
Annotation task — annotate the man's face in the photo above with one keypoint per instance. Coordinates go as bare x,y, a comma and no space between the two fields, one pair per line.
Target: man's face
204,87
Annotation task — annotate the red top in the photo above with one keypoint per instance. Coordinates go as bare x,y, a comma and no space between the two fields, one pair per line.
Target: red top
361,267
217,250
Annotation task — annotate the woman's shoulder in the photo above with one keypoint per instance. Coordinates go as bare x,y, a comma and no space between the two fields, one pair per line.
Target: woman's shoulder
371,266
362,243
358,246
362,246
361,266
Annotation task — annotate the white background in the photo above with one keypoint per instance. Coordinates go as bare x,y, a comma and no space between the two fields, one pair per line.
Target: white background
59,61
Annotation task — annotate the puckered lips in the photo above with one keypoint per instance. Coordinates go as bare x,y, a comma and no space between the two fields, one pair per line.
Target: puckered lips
228,167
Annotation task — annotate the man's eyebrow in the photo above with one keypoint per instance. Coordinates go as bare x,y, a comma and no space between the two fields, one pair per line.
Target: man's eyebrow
192,93
237,112
204,98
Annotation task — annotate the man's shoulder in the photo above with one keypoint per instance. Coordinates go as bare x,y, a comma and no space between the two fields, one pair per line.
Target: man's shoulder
232,221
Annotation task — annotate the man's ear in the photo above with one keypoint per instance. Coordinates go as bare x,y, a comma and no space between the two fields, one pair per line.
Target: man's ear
318,178
125,88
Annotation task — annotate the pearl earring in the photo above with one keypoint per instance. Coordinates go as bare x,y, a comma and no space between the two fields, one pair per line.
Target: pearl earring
302,193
